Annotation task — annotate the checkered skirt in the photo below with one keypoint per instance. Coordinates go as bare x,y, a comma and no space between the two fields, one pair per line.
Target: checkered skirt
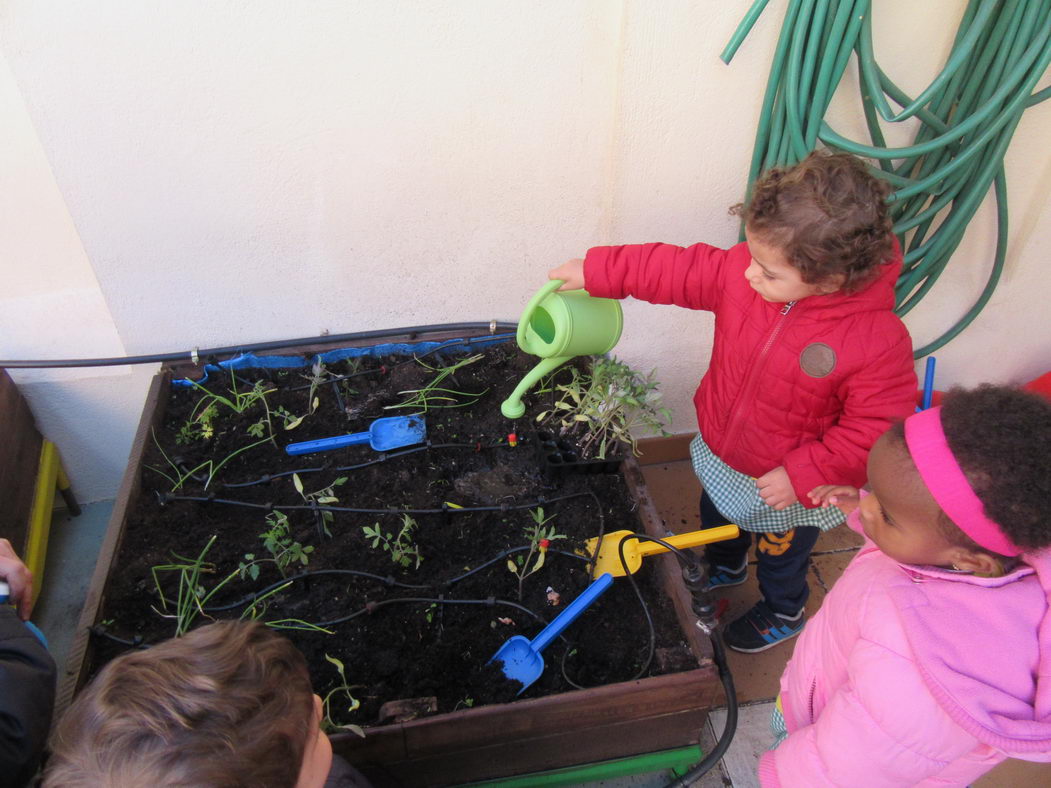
737,498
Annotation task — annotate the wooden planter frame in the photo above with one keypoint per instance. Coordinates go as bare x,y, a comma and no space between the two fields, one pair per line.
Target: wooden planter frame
501,740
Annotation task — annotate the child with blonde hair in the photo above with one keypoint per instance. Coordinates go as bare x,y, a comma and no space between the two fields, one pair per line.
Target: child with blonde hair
929,662
229,704
809,366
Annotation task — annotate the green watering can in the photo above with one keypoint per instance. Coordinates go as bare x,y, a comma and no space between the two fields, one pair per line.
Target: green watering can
559,326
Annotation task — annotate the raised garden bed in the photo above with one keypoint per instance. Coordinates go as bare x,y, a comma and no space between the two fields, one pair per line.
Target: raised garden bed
404,630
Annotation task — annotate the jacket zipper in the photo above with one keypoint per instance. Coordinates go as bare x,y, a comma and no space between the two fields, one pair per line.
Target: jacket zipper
736,422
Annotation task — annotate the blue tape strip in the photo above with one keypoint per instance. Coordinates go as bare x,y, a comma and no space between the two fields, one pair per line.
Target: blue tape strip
252,361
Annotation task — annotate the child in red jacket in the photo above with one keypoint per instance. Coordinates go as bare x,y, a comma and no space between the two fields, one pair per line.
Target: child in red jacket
809,366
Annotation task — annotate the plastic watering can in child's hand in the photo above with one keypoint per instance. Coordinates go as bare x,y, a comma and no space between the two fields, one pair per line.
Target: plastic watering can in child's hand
559,326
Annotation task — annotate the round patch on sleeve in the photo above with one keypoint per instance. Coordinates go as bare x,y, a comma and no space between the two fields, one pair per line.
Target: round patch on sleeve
817,360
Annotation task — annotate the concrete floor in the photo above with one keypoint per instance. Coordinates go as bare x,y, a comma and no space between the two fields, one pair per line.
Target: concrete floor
73,548
75,542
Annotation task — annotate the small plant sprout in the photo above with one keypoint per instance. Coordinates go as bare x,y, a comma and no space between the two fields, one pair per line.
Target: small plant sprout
344,690
433,396
540,539
317,377
607,406
199,425
323,497
179,476
191,596
277,541
402,548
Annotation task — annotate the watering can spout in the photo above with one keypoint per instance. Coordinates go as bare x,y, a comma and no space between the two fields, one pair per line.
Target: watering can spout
512,407
558,326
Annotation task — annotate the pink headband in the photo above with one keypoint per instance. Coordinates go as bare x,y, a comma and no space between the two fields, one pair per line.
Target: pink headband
948,485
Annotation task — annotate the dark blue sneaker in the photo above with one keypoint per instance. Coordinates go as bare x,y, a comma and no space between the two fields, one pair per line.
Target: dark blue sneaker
761,628
724,576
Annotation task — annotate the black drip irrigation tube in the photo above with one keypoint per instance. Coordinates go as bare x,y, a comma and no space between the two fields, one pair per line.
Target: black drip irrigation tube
196,355
382,457
695,576
165,498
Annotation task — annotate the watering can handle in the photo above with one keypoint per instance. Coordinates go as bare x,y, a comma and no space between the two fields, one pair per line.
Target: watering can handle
540,295
571,613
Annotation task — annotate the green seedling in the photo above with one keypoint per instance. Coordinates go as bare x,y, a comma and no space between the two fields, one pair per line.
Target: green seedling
434,396
540,538
198,426
607,407
178,477
284,550
326,496
191,596
328,724
403,550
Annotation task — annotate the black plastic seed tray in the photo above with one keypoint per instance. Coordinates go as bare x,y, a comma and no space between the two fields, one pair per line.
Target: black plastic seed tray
559,457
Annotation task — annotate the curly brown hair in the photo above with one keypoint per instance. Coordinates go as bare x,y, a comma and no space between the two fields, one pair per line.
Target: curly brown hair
228,704
1001,437
829,216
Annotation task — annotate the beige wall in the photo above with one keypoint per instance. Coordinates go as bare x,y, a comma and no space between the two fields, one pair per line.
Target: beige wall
194,174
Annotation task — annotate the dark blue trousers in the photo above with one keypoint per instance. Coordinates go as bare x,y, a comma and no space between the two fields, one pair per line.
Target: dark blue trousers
782,558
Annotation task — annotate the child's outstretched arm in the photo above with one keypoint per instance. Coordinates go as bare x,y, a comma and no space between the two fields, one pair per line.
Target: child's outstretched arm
692,277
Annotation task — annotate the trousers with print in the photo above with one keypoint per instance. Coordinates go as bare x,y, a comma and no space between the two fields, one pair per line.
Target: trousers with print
781,558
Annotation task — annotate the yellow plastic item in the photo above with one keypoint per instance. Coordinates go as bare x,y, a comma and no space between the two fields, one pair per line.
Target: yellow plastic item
51,476
634,550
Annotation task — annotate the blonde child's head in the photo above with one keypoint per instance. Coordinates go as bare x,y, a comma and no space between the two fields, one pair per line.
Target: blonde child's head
826,216
227,704
966,485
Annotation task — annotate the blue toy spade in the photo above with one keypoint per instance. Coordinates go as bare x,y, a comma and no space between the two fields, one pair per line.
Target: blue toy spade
384,434
521,657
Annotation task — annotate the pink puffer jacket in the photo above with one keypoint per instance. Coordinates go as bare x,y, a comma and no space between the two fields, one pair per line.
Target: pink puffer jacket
913,675
809,387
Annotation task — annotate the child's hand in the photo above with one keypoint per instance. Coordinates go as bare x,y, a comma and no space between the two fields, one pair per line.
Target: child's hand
841,495
775,488
18,577
572,271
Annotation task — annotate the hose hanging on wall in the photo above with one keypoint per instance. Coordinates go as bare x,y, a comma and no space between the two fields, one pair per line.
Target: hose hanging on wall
966,117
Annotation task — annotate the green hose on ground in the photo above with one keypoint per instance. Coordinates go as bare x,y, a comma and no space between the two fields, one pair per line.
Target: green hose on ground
966,117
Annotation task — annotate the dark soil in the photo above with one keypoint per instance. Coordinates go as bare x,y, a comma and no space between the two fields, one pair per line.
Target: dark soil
462,602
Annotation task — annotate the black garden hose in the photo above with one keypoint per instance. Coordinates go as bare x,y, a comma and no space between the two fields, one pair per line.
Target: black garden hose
193,356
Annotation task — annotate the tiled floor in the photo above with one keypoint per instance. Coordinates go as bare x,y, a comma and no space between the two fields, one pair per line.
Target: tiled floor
73,548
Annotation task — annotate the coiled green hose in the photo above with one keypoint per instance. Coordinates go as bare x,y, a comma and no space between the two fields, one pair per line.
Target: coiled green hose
966,116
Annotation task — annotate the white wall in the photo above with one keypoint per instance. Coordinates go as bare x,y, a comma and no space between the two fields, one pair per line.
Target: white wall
199,173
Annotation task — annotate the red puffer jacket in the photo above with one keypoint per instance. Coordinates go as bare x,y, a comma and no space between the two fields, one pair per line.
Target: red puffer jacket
809,385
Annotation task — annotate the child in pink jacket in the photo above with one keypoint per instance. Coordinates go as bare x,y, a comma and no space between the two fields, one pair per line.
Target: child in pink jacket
930,660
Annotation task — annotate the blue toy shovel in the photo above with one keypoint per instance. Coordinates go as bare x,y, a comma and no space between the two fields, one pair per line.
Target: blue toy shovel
385,434
521,657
